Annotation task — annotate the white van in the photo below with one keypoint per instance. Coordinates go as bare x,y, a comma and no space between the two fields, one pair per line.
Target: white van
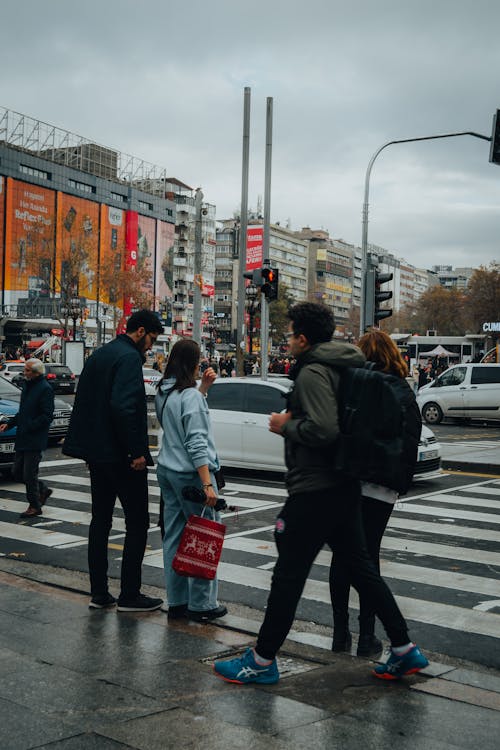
464,391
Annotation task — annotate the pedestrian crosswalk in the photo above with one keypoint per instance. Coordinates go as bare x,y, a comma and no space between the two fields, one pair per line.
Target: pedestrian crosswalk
440,554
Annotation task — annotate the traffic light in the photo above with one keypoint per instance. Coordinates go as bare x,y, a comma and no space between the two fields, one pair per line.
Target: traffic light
382,296
270,279
255,277
495,139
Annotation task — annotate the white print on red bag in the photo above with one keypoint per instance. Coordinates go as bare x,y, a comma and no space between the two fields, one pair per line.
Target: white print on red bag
207,550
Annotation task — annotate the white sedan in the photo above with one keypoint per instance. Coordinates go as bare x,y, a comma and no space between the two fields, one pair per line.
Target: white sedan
240,409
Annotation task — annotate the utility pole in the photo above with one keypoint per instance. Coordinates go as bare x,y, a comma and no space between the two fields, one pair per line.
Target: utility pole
198,279
264,305
240,307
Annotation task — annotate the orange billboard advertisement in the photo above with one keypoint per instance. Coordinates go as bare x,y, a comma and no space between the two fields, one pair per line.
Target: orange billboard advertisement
77,246
112,255
2,214
29,240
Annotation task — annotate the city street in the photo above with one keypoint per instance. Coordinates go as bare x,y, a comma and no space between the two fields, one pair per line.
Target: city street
441,552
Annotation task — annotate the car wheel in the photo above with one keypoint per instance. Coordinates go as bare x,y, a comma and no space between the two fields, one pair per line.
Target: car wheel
432,413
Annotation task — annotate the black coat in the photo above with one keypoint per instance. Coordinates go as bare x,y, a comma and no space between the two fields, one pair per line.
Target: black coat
36,410
109,419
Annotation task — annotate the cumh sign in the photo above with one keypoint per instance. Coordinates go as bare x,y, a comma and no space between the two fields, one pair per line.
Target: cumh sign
491,327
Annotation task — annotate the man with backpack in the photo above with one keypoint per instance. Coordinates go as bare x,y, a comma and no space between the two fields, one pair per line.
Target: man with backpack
324,505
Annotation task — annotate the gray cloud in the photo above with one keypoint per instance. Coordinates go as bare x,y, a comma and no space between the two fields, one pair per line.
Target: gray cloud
165,82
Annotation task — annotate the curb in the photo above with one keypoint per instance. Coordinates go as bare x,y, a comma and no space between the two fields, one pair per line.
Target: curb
471,466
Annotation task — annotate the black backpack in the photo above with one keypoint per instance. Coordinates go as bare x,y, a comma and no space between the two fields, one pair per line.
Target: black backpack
373,444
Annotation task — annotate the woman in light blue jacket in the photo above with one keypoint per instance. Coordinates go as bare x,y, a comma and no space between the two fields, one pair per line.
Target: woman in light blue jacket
187,458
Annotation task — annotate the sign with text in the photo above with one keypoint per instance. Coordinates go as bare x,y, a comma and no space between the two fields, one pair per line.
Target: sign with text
255,242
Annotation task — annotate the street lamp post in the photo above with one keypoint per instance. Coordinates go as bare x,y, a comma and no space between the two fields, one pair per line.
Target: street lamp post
363,323
252,305
72,309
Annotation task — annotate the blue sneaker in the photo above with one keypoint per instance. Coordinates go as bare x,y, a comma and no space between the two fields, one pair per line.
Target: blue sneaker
244,669
398,666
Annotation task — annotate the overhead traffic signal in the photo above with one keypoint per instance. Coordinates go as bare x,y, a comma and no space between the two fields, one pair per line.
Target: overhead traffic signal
495,139
270,282
382,295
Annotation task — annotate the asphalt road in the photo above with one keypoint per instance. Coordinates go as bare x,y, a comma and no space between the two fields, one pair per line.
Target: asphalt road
441,552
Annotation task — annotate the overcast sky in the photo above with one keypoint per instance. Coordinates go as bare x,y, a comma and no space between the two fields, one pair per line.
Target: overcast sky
164,81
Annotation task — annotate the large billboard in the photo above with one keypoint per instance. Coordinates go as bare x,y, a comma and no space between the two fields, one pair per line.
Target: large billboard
164,283
112,255
146,244
77,247
2,214
29,241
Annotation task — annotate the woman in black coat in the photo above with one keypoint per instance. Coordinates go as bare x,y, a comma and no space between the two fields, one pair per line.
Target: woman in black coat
377,500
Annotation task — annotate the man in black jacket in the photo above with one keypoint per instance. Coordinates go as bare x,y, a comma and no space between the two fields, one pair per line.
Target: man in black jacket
108,430
33,420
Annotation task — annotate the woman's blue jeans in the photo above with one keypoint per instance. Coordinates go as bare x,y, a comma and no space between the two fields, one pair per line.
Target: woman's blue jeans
199,594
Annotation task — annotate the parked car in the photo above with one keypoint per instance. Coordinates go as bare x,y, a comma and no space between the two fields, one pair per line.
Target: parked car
240,409
463,391
60,378
11,368
151,380
10,396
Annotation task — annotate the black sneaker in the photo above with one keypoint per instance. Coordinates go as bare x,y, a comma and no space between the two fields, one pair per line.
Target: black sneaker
342,641
178,612
140,603
207,614
102,602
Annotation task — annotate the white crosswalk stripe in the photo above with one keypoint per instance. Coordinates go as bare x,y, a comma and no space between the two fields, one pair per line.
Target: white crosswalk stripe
423,530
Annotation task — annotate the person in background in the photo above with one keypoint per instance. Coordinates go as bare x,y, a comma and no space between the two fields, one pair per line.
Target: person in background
109,430
187,458
33,419
377,502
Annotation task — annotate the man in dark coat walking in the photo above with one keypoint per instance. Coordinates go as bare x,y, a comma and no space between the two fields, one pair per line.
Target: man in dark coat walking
33,419
108,430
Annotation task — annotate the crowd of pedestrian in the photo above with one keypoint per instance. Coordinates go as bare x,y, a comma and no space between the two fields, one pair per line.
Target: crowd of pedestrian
108,430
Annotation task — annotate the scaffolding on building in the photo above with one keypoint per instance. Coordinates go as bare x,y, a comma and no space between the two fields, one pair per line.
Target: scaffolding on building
69,149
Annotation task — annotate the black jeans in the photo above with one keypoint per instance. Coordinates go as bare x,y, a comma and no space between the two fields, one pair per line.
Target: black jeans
25,470
305,524
107,481
375,516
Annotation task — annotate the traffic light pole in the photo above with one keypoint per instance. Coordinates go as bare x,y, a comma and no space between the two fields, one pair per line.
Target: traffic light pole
242,254
363,321
264,308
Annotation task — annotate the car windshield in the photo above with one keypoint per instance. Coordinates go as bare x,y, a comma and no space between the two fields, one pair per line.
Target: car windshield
7,390
58,369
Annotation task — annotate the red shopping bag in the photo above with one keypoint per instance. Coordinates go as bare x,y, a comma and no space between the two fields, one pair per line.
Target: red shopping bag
200,548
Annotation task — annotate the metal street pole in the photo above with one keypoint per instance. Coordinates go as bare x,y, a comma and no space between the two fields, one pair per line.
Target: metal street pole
264,306
240,307
198,281
363,322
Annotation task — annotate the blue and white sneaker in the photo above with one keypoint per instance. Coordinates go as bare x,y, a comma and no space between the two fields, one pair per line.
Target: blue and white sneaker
398,666
245,669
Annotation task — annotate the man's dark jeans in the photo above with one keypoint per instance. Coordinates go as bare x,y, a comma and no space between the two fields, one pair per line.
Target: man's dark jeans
108,481
307,522
25,470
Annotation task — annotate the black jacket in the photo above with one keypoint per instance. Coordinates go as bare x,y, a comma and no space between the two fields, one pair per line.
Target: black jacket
311,432
109,419
412,426
36,410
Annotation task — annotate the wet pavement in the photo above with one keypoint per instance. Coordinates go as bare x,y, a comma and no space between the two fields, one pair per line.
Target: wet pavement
78,679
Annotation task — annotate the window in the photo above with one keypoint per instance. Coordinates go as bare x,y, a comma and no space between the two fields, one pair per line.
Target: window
34,172
455,376
118,197
482,375
145,206
228,397
263,399
81,186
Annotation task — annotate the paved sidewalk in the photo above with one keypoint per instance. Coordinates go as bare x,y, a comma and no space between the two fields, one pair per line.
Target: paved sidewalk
77,679
475,456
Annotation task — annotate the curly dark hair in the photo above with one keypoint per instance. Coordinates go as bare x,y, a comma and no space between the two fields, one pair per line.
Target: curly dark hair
144,318
313,320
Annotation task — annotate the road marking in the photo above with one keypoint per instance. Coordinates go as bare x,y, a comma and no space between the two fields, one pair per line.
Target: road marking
471,502
22,533
465,515
487,491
